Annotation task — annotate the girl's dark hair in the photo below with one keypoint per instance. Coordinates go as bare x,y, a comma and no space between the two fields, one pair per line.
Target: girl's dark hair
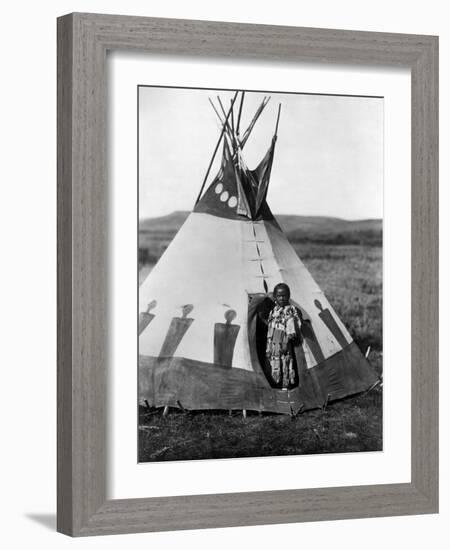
280,286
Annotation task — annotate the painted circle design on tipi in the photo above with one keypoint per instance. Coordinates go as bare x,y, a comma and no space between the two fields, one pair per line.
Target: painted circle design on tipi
219,188
232,202
224,196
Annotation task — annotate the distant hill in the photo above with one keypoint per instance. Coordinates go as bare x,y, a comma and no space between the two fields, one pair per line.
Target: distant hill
171,222
156,233
326,230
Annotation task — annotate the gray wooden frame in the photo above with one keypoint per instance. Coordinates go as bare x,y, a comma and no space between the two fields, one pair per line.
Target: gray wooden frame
83,40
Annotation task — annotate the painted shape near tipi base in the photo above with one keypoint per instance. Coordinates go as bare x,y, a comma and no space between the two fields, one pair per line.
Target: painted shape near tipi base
177,329
328,319
225,335
145,317
311,343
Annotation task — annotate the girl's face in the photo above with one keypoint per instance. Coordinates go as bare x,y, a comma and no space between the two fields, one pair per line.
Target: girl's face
282,297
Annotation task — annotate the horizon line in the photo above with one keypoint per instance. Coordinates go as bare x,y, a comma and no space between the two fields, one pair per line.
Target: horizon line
274,214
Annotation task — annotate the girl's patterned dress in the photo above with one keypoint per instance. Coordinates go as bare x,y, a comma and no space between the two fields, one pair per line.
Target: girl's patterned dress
282,322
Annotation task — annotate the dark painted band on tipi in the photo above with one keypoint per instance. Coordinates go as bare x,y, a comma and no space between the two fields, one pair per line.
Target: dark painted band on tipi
233,194
198,385
238,192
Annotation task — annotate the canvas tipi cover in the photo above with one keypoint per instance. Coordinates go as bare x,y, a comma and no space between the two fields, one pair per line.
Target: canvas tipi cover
202,335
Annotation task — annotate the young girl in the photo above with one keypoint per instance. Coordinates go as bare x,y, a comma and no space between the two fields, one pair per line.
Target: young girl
283,327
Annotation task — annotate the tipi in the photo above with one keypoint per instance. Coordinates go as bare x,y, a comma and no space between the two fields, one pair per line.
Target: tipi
201,335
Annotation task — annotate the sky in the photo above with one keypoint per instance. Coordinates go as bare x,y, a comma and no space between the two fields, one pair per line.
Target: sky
328,157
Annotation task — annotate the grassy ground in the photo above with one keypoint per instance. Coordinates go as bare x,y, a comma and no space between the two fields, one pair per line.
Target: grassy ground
351,277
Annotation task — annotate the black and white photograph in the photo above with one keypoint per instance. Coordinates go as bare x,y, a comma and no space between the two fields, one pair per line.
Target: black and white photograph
260,273
230,216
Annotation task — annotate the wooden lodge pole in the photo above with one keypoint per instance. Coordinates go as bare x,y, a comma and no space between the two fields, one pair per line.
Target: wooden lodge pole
215,150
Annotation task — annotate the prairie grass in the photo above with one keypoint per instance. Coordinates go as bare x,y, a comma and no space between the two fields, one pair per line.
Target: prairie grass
351,278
